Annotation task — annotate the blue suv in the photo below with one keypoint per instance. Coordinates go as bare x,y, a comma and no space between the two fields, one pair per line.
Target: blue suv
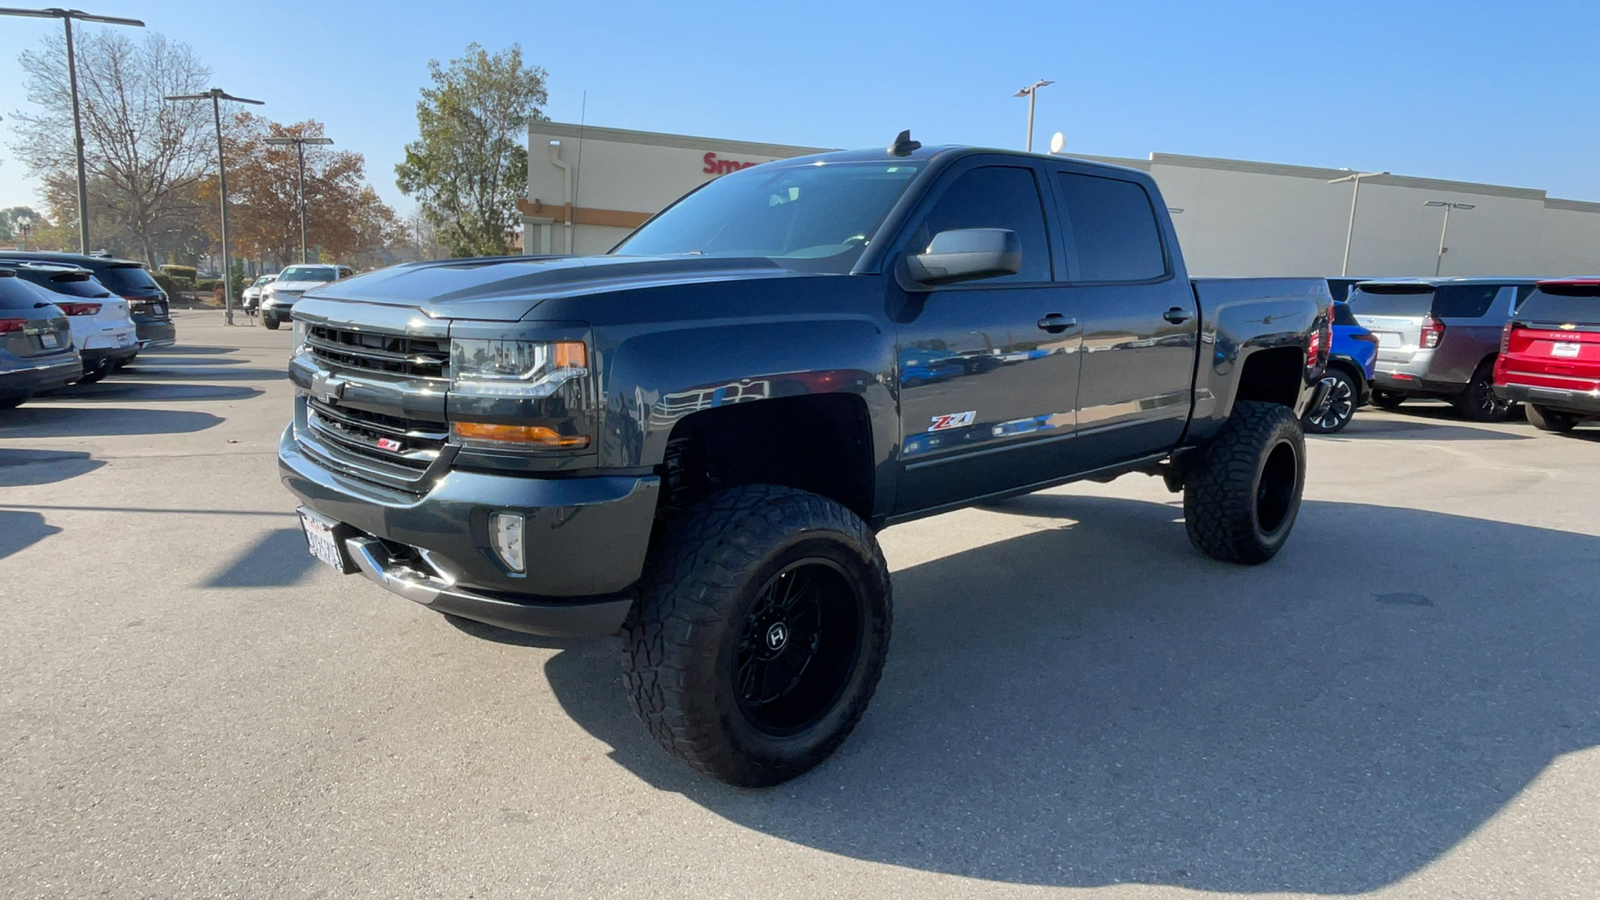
1353,356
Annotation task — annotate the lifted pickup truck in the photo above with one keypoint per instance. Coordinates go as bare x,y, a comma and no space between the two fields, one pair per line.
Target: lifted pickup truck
695,437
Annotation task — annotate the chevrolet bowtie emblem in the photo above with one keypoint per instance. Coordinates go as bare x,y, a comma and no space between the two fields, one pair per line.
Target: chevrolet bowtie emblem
327,388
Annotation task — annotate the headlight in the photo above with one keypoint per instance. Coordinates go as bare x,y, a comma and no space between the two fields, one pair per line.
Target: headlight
520,395
300,347
515,369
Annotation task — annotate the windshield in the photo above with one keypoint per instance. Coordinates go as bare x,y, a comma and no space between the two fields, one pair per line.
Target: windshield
1408,300
814,216
265,279
308,273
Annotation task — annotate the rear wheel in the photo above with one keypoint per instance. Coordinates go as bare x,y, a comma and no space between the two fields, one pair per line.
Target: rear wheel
1338,407
1547,419
1241,500
1479,403
1387,399
760,633
99,370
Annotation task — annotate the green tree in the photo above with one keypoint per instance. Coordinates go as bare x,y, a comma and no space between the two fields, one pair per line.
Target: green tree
469,163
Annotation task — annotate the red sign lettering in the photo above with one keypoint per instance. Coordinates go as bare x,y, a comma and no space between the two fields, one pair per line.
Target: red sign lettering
716,166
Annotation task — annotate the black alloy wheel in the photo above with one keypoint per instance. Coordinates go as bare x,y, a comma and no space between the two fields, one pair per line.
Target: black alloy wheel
1338,407
1479,402
760,632
798,646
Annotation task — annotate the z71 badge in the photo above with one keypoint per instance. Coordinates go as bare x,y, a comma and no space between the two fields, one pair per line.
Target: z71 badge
953,420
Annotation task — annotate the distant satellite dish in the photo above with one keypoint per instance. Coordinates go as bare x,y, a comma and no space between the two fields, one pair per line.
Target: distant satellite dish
1058,141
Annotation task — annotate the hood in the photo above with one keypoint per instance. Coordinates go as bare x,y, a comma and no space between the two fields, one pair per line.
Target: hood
508,289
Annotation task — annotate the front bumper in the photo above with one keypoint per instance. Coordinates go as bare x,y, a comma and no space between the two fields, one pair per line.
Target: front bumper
35,376
585,541
1584,403
277,313
156,332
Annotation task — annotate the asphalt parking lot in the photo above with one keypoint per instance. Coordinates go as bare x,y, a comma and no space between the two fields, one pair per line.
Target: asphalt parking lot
1404,702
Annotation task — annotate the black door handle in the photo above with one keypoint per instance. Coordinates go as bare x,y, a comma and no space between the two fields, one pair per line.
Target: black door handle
1177,315
1055,323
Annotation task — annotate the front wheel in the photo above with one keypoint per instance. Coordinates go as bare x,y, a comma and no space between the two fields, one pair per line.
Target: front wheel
272,324
1546,419
1241,500
1337,409
760,633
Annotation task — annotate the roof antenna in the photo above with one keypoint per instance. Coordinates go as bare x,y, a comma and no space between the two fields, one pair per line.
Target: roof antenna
904,145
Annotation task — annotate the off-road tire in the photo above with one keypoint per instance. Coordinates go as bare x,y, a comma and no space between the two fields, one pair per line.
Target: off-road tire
1337,409
1478,403
272,324
1383,399
1546,419
1240,501
705,580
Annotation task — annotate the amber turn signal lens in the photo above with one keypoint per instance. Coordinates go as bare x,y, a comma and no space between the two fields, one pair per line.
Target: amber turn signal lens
531,435
569,355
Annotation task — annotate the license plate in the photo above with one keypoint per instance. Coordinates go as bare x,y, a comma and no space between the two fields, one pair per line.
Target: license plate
1565,350
319,538
49,340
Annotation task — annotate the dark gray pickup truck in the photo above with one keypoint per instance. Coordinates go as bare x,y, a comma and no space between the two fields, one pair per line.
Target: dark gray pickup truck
694,438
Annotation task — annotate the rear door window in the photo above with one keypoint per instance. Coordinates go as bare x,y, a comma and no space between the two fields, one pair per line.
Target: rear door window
1114,229
1464,301
995,197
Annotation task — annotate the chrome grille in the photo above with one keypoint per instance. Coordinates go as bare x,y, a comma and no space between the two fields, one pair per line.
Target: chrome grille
389,354
389,450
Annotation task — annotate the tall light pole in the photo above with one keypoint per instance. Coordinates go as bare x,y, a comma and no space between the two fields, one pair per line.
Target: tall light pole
216,96
300,160
66,16
1031,92
1350,230
1439,264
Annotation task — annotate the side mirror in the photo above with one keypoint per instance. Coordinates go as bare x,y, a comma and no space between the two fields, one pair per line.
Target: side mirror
964,254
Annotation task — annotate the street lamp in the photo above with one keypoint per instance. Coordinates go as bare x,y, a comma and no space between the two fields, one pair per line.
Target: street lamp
216,96
300,160
1030,92
1350,230
1439,264
66,16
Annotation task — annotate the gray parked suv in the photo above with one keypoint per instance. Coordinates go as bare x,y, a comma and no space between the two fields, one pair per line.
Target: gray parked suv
36,350
1438,337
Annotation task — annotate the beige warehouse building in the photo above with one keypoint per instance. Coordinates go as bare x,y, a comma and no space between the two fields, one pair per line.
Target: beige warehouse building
588,187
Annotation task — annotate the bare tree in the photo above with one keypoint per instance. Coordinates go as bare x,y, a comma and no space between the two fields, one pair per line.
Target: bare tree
145,157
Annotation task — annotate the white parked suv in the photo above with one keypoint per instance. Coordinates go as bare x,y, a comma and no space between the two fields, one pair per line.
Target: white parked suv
102,327
252,294
277,298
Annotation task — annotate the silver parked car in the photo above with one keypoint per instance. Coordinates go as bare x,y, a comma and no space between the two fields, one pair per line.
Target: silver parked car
252,294
1438,337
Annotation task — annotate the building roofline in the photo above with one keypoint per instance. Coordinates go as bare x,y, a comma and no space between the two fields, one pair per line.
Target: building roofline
658,139
1571,205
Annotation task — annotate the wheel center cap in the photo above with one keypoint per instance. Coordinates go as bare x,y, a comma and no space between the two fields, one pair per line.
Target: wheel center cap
777,636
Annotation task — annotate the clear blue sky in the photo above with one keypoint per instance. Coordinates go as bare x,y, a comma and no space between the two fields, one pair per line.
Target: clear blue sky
1471,90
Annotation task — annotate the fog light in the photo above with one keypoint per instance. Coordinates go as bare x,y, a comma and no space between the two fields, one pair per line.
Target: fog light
505,533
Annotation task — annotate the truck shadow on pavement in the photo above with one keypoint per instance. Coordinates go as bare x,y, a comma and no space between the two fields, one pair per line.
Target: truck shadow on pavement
123,391
1093,702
